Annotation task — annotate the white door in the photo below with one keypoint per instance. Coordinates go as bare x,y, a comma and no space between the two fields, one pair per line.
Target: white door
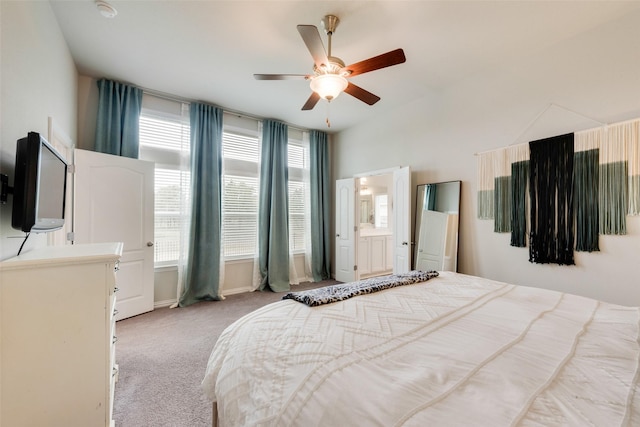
114,203
345,230
401,220
432,241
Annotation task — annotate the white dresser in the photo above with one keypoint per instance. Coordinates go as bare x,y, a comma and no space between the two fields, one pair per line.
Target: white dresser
57,336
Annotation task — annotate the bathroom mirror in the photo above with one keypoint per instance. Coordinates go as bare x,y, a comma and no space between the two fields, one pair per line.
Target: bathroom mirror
366,211
374,207
437,222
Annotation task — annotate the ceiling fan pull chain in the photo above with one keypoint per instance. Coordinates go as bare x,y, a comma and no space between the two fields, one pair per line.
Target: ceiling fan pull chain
327,120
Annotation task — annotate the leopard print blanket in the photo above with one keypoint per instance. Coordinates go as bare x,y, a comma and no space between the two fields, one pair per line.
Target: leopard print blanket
342,291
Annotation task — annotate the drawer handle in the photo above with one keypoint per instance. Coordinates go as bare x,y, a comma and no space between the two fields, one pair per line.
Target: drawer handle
114,340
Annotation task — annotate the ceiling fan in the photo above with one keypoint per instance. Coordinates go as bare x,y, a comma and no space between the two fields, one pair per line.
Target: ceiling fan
330,74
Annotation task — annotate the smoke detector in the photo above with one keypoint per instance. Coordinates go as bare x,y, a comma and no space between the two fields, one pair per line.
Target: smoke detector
106,9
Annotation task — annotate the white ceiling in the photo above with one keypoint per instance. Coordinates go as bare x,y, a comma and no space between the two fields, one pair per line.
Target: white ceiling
209,50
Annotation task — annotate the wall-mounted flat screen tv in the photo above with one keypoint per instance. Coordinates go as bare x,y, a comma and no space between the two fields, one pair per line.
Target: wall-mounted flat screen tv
39,187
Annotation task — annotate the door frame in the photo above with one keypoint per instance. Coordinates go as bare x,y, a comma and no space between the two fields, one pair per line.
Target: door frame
354,211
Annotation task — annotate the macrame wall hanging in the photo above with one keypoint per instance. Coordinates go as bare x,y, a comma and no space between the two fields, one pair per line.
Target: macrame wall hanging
551,195
587,184
602,188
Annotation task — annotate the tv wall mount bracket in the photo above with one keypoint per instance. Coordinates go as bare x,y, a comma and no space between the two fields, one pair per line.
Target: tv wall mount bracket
5,189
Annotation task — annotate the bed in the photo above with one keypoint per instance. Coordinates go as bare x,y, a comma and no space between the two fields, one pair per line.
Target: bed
453,350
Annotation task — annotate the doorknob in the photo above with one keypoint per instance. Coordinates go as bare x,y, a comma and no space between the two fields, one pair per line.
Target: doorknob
404,243
149,244
337,235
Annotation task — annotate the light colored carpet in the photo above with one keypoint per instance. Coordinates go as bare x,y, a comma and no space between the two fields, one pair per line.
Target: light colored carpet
163,354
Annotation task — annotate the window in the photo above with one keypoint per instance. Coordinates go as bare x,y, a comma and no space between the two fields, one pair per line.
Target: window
299,221
241,157
164,139
382,211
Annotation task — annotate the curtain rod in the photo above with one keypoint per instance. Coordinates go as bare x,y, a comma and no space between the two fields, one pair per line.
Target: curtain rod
175,98
537,117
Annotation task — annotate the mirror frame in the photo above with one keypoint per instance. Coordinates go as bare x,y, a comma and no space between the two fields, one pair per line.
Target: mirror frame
417,222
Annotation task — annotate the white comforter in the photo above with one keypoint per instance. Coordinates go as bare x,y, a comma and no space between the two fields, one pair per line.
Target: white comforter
456,350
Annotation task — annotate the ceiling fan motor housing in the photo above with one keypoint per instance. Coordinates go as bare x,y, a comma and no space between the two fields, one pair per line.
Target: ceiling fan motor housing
334,66
330,23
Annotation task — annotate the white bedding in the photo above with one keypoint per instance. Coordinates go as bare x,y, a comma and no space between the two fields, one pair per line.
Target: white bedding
456,350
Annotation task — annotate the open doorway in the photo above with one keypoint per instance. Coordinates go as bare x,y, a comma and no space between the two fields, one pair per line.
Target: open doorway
387,230
374,217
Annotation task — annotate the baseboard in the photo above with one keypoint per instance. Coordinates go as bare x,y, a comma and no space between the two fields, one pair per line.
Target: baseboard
244,289
226,292
165,303
234,291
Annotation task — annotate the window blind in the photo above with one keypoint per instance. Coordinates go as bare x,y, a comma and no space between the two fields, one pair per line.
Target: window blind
164,139
240,194
298,162
170,186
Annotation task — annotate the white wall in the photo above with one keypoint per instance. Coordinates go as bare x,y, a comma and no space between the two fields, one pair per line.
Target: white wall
596,74
87,112
38,80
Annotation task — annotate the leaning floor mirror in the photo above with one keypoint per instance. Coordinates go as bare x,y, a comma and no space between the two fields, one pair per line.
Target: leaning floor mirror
437,222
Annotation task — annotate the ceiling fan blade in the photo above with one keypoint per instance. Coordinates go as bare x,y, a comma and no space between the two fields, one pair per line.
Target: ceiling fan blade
388,59
311,102
281,76
361,94
311,38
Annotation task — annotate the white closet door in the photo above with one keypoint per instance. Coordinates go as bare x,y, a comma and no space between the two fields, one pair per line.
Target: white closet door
345,231
402,220
114,199
432,241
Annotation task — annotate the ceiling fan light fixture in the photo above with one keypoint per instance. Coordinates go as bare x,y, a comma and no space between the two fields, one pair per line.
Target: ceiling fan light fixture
328,86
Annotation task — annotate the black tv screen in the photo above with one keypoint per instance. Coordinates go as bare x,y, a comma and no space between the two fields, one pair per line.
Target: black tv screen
39,186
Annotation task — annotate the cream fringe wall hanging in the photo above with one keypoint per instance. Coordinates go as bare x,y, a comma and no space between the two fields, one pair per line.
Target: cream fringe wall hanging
486,185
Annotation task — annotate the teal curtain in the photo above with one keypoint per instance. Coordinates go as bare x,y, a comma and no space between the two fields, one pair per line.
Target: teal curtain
586,181
519,179
429,202
320,194
117,126
202,278
613,198
273,216
502,205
